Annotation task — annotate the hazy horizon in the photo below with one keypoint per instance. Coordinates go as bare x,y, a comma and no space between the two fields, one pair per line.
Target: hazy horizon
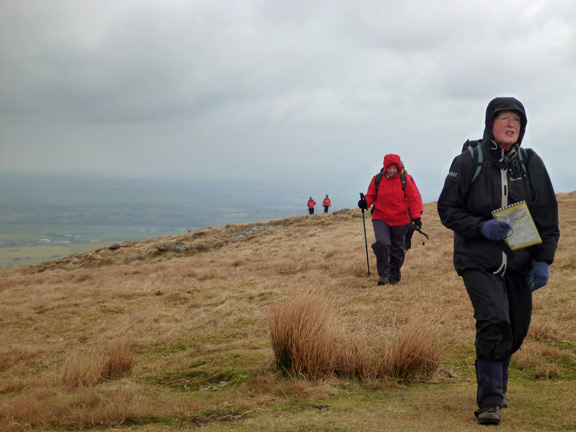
311,95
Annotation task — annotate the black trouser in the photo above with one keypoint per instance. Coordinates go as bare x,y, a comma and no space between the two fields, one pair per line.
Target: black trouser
326,209
502,310
311,210
389,249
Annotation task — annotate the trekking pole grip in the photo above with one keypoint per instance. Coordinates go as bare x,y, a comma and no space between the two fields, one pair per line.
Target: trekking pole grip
362,197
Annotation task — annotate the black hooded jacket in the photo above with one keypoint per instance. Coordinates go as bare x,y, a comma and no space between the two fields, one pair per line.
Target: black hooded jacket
465,205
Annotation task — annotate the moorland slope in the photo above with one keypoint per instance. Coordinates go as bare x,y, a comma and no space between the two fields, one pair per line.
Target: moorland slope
172,333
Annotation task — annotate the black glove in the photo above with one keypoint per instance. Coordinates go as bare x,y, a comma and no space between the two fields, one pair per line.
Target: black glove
363,204
417,223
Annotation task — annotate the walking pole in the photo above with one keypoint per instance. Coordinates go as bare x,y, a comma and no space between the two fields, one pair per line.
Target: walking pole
422,233
365,239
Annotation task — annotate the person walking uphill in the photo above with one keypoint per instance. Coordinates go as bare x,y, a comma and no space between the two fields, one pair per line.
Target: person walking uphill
311,204
499,281
326,203
396,206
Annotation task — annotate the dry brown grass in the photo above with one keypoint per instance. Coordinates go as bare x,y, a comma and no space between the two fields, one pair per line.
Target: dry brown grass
88,368
87,408
303,336
82,369
308,339
120,359
414,351
142,334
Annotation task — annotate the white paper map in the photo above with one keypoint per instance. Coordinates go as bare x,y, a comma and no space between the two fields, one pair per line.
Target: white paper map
524,231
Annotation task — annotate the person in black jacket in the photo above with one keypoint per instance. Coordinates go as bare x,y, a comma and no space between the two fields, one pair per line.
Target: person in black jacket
499,281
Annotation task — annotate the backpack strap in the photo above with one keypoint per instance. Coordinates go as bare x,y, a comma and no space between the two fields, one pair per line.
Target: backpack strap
477,155
378,180
403,180
523,158
479,159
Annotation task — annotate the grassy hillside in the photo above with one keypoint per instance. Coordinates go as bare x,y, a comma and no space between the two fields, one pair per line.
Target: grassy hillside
49,217
173,333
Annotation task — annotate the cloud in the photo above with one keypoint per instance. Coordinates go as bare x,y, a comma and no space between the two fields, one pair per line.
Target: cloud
290,89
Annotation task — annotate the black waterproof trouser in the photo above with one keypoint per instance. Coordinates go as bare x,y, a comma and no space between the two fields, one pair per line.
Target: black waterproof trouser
389,249
502,310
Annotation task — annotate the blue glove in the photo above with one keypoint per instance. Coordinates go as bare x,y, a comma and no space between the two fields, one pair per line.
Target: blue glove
539,276
494,230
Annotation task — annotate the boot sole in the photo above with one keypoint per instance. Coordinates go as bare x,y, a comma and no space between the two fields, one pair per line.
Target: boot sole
488,423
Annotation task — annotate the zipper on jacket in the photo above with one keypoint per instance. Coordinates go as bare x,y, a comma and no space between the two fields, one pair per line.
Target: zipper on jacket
504,202
504,181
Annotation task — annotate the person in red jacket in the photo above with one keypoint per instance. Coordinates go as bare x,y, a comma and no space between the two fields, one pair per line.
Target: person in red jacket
311,204
326,203
394,209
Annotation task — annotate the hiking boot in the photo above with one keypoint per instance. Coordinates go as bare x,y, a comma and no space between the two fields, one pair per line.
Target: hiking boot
504,402
489,416
393,282
383,280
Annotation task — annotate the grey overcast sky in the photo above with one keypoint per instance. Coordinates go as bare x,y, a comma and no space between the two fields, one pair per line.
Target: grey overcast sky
311,91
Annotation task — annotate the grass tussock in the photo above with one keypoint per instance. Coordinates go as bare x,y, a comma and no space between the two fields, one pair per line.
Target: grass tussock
304,336
414,352
82,369
88,368
308,339
120,359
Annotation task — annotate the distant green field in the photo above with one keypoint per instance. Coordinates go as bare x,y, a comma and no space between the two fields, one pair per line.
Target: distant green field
20,233
45,217
30,244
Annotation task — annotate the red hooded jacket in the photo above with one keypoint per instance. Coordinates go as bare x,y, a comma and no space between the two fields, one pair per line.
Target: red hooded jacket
392,203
